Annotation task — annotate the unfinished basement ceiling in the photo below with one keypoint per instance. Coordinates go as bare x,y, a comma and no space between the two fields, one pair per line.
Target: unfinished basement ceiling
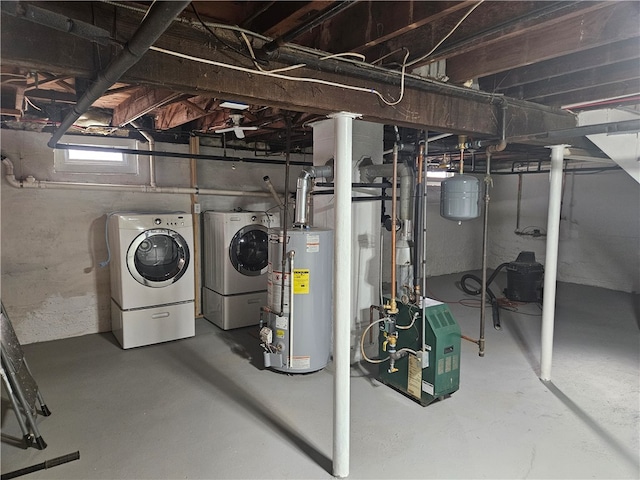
442,67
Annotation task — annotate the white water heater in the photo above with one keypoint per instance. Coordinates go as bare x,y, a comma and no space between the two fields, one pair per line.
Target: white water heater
460,198
297,332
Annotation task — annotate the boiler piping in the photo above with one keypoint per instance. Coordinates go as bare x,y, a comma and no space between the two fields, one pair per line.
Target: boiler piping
487,184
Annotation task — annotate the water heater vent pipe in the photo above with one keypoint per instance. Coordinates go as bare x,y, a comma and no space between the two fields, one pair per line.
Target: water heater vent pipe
303,188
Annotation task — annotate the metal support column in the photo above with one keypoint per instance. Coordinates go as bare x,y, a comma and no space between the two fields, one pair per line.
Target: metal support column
551,260
343,124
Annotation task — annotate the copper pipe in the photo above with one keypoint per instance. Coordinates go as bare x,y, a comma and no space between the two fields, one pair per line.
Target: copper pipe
469,339
393,309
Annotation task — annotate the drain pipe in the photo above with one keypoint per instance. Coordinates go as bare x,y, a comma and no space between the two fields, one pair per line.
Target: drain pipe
343,129
487,185
274,194
32,182
152,146
158,19
551,261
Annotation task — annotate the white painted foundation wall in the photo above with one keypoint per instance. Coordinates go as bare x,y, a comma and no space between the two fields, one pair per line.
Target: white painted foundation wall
54,240
599,226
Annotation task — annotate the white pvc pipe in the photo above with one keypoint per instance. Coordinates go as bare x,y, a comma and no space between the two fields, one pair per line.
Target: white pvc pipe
551,261
343,129
31,182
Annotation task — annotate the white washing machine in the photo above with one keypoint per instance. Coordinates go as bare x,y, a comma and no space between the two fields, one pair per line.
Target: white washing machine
152,277
236,246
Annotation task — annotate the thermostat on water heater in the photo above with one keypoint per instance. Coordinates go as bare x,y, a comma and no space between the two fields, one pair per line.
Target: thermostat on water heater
266,335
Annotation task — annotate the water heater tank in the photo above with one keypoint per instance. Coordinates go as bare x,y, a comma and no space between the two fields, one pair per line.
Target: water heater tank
298,338
460,198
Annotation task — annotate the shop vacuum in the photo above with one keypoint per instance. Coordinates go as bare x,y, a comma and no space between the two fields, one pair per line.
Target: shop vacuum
524,283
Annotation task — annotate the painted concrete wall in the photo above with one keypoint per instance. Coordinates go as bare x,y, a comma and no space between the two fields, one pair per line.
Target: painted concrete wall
599,226
54,240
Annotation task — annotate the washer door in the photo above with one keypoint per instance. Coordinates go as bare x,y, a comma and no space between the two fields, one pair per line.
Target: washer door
157,258
249,250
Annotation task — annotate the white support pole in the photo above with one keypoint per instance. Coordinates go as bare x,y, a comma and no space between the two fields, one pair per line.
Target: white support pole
551,261
343,124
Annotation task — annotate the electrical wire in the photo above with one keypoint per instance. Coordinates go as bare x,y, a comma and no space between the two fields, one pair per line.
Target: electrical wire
419,59
277,75
206,27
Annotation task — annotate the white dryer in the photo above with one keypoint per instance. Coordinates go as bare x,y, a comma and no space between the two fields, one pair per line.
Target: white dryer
152,277
236,246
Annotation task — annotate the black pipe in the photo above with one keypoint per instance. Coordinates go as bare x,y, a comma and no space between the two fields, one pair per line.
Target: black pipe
54,462
625,126
366,71
357,184
200,156
159,18
57,22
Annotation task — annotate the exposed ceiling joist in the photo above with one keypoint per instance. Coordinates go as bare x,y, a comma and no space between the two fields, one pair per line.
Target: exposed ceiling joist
598,57
184,111
140,103
611,23
419,108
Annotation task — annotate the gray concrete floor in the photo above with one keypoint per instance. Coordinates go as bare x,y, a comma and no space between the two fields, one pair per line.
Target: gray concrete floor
204,408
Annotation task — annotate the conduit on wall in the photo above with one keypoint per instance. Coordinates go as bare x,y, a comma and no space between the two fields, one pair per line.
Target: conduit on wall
32,182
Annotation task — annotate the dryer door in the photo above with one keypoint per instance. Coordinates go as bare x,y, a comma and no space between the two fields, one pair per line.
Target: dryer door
249,250
158,257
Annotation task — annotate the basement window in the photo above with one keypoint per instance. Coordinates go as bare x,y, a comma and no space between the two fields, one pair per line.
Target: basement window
101,160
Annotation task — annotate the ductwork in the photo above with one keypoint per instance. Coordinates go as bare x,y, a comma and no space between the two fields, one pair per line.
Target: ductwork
303,189
368,173
158,19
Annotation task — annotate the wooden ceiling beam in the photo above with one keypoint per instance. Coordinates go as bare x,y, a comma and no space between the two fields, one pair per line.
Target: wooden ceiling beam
615,21
577,62
628,71
436,107
184,111
291,15
377,22
594,94
140,103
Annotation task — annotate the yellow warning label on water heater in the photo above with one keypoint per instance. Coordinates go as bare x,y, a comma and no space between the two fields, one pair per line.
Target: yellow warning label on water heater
300,281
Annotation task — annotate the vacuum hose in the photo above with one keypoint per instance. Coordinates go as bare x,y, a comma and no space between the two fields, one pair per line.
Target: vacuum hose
490,296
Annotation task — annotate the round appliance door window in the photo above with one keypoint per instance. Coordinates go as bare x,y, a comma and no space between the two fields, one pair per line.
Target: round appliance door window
158,257
249,250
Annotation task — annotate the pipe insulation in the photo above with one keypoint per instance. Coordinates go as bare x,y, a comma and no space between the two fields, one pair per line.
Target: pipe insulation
368,173
551,261
32,182
158,19
343,128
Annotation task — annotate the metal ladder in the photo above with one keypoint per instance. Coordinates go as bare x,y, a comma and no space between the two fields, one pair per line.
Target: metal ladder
20,385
